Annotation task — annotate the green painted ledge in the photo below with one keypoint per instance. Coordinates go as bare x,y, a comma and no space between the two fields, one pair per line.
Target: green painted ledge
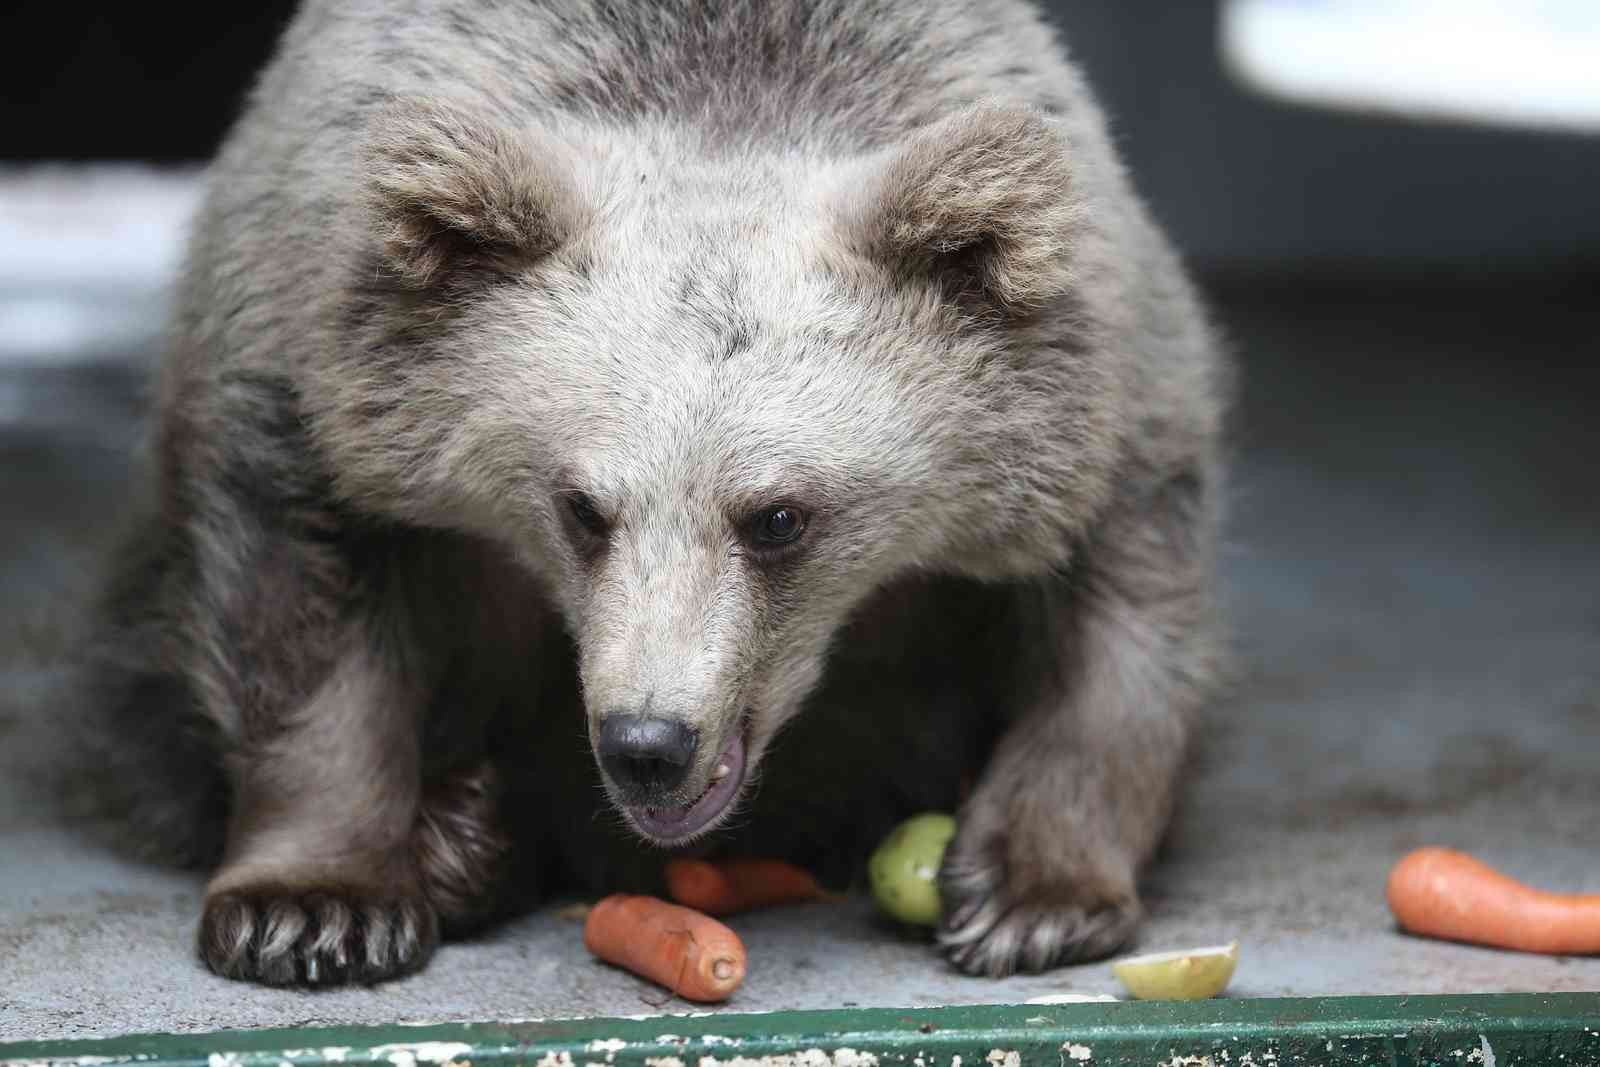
1562,1030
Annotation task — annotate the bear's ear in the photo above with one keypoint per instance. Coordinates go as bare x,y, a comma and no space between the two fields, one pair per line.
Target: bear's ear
449,193
980,202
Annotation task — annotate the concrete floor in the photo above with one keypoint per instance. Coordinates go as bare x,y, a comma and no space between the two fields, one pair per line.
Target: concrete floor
1415,580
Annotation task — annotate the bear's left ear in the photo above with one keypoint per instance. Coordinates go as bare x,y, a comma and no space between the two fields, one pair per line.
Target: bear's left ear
980,202
449,192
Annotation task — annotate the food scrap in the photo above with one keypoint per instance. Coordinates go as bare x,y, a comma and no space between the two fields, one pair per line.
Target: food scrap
1439,892
1194,974
904,871
693,955
727,887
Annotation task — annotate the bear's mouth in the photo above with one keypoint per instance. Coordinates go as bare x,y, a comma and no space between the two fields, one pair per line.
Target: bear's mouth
677,824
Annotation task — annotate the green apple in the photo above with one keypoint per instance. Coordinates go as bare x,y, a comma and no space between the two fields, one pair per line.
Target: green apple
905,868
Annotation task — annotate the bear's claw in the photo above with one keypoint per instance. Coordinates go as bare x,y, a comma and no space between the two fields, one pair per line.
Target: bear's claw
991,928
286,937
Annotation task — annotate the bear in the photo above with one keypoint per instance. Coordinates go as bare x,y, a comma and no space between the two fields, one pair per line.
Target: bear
591,431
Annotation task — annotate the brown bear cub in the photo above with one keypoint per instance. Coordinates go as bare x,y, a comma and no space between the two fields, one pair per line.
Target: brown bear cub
774,413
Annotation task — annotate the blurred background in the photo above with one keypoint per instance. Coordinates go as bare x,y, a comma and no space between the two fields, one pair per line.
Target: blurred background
1402,133
1394,207
1420,141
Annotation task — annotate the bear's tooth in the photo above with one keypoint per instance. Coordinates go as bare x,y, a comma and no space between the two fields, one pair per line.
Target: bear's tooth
721,772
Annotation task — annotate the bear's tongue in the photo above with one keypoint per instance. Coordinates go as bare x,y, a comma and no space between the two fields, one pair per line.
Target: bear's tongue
674,824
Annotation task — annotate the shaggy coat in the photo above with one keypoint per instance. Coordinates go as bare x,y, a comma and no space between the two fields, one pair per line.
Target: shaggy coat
800,376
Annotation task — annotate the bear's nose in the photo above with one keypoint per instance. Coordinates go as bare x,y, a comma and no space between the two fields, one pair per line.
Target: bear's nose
647,757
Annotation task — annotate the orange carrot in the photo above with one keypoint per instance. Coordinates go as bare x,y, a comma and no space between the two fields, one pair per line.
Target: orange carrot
1438,892
730,886
691,954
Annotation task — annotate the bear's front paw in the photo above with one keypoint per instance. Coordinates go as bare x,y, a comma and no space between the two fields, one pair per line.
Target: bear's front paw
317,937
1058,911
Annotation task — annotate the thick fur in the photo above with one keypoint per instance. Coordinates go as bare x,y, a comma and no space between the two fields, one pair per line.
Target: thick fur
460,263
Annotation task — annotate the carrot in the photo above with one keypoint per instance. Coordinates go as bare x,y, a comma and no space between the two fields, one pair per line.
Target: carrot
691,954
1438,892
730,886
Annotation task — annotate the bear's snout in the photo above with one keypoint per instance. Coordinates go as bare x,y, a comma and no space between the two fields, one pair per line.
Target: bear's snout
657,774
646,757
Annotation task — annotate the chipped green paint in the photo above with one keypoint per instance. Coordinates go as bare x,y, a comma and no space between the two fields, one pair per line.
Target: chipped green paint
1560,1030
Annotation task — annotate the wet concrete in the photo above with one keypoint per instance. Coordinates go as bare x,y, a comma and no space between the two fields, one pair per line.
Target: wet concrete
1414,576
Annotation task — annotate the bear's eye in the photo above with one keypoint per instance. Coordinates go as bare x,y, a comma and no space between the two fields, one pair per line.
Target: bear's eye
586,514
778,525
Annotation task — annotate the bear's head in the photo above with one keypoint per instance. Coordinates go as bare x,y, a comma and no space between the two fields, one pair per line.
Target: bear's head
714,396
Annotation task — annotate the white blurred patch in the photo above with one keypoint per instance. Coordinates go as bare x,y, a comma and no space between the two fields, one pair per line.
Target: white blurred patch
87,258
1529,63
72,328
64,225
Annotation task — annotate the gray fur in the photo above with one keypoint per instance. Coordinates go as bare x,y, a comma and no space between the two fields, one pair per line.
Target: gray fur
872,259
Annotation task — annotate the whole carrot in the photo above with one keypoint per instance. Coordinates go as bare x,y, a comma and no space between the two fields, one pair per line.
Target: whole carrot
691,954
729,886
1439,892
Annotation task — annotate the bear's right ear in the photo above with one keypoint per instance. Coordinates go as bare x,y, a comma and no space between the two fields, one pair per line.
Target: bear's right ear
449,193
981,203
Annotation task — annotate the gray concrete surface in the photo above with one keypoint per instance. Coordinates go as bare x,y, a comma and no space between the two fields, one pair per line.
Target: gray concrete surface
1414,574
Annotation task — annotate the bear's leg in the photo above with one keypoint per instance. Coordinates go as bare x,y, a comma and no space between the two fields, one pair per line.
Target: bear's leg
1079,791
319,884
